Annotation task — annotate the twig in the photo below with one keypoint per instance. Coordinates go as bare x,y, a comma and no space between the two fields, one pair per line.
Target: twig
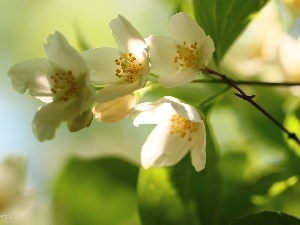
258,83
249,98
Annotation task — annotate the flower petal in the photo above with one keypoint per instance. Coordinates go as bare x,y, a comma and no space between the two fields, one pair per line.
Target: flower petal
185,110
184,28
151,112
162,53
101,65
115,91
44,129
49,116
124,32
62,111
33,75
146,71
178,78
207,52
87,96
62,56
81,121
161,110
162,148
198,152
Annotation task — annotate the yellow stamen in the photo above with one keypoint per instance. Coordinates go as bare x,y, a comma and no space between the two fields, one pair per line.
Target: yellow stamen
183,127
130,69
186,56
65,85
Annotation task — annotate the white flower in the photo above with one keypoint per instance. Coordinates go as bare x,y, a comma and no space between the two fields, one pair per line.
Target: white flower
62,82
179,130
254,52
182,56
114,110
289,58
18,203
12,181
126,69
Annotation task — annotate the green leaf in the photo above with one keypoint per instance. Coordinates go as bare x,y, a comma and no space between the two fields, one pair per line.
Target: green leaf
179,195
268,218
101,191
224,20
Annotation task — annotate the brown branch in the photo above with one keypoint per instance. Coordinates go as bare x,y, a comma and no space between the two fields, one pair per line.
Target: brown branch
257,83
249,98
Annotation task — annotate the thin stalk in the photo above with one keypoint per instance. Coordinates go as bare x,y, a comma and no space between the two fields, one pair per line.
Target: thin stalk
210,98
249,98
256,83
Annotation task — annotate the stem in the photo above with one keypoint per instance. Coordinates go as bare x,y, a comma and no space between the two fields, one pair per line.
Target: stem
147,88
207,100
258,83
249,98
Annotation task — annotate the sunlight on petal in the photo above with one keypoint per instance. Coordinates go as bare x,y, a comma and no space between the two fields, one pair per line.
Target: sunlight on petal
147,113
44,82
185,110
137,48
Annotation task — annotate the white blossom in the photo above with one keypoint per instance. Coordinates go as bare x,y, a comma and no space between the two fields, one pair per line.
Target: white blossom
179,130
62,82
122,70
181,57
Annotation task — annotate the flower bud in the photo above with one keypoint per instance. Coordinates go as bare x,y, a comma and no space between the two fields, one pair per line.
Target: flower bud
114,110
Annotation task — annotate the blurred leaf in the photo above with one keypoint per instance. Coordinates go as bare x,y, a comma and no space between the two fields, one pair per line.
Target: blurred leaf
237,198
159,200
268,218
101,191
180,195
282,196
82,42
292,123
224,20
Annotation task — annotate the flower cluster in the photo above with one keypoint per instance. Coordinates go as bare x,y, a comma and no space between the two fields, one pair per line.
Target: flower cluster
103,82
